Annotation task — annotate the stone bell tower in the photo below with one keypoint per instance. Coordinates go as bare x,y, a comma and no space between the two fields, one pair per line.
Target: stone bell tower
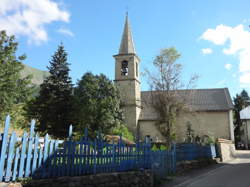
127,78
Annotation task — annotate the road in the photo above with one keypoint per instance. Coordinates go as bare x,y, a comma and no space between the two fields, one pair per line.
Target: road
235,173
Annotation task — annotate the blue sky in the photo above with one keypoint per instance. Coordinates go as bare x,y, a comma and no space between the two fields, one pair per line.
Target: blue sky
213,36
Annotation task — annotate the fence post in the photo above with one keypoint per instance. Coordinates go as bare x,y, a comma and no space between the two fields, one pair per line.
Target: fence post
4,147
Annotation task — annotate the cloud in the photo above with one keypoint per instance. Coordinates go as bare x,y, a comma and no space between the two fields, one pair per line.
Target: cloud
228,66
29,17
245,78
206,51
65,31
237,40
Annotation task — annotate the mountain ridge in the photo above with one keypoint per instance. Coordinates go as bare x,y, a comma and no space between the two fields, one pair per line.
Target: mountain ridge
38,76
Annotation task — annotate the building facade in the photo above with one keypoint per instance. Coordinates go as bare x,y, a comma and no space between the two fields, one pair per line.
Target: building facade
211,108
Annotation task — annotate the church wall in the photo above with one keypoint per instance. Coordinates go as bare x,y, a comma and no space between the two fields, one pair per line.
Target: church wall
149,128
215,124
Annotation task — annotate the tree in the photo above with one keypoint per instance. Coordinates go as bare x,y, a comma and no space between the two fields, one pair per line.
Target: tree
13,89
54,104
164,84
240,102
97,104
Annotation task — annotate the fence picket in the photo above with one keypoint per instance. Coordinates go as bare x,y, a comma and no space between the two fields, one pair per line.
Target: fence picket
50,159
23,156
4,147
45,155
55,161
35,156
10,157
29,154
15,164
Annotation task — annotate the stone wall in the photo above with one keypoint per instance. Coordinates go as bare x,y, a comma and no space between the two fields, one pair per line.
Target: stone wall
213,124
226,149
121,179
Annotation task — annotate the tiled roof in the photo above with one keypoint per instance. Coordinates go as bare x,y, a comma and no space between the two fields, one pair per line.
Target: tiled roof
197,99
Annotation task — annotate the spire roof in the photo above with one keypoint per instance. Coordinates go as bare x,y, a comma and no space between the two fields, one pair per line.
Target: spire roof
127,44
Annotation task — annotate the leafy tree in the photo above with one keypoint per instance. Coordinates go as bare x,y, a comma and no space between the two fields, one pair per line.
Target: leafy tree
53,106
164,83
240,102
13,89
97,104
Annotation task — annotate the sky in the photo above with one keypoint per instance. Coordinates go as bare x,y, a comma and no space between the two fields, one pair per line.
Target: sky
213,36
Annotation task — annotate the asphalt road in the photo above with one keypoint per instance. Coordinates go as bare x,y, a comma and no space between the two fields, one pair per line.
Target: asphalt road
235,173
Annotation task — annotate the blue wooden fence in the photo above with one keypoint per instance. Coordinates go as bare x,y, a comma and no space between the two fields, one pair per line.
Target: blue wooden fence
32,156
188,151
163,163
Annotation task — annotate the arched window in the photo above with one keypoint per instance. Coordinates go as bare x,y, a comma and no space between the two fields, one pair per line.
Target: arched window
124,69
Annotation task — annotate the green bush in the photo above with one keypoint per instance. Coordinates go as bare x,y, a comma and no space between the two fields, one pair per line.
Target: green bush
123,130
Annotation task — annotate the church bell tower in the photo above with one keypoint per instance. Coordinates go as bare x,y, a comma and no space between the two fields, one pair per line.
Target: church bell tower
127,78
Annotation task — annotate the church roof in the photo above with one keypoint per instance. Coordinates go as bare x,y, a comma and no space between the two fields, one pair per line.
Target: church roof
197,100
127,44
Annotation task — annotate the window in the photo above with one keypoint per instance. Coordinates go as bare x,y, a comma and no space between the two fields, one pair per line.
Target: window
136,66
124,69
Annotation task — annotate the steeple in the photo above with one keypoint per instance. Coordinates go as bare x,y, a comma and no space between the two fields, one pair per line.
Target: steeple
127,44
127,79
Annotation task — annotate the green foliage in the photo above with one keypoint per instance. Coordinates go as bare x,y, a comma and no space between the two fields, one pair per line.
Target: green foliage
18,119
123,130
97,104
13,89
240,102
159,147
53,106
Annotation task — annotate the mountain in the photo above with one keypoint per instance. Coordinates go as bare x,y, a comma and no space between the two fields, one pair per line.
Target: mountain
38,75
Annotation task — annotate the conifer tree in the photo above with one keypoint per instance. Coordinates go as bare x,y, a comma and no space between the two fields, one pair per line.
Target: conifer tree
241,101
13,88
53,107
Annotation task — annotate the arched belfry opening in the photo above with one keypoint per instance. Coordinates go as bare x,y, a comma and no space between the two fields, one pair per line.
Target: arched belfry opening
124,68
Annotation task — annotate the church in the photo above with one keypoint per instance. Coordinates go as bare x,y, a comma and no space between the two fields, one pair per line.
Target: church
212,108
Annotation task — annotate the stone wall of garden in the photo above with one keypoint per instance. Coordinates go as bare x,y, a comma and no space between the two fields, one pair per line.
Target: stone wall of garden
121,179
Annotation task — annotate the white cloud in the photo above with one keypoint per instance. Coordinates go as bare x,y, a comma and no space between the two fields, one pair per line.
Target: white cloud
238,40
228,66
206,51
29,17
234,75
245,78
65,31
